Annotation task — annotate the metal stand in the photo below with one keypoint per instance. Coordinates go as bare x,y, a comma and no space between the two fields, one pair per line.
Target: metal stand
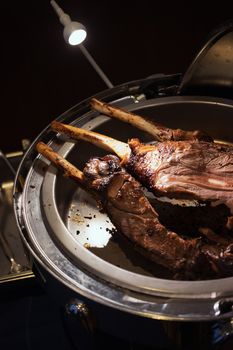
96,66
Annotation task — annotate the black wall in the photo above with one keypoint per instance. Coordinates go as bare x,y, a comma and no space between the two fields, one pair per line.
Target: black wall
42,76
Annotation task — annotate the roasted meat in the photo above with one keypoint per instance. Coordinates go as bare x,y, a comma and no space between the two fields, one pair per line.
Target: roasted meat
130,211
176,169
184,169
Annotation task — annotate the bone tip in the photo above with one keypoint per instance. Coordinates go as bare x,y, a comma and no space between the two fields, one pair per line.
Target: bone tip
40,146
94,102
43,148
54,124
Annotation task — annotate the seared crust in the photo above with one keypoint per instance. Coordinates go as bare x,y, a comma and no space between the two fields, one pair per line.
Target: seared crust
134,217
184,169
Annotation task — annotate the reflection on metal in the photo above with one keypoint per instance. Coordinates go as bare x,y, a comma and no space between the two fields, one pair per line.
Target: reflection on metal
16,277
79,309
223,306
89,226
211,72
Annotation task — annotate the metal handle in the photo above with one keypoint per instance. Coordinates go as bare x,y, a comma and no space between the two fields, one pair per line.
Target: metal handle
224,307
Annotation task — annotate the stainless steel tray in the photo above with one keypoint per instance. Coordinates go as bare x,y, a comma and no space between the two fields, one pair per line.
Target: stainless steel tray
53,240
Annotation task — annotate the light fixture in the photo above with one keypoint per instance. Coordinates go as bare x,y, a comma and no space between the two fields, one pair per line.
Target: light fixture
74,34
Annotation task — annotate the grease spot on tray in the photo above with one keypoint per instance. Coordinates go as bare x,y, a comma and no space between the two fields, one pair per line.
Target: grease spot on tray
88,225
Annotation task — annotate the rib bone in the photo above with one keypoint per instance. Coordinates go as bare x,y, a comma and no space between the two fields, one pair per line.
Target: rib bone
107,143
69,169
158,131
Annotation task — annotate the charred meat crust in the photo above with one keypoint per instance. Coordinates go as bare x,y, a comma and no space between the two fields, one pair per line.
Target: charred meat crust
185,169
179,169
133,215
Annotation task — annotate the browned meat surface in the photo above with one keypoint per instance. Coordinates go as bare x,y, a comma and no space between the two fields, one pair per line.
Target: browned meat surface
176,169
133,215
179,134
184,169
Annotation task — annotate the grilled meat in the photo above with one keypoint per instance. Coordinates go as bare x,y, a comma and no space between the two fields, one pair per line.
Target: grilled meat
132,214
175,169
184,169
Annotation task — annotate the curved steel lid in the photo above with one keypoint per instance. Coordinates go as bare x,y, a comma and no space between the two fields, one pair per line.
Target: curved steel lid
45,202
211,72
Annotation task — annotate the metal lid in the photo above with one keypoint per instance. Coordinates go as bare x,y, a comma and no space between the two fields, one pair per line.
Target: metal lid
211,72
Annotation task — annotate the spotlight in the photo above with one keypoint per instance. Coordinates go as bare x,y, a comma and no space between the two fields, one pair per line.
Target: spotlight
74,34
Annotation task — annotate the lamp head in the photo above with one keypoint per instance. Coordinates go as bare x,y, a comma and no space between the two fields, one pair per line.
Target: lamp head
74,33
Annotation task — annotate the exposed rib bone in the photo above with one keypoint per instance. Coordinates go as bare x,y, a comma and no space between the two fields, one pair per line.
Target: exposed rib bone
69,169
107,143
158,131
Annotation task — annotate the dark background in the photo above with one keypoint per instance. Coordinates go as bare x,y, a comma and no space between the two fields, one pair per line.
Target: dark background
42,76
